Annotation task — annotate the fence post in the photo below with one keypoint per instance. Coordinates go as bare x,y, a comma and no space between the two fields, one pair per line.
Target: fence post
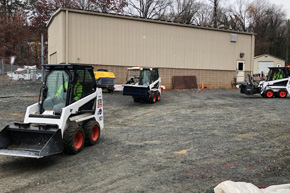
2,71
42,55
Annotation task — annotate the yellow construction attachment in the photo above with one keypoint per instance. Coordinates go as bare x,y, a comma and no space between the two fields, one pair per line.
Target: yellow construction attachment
102,74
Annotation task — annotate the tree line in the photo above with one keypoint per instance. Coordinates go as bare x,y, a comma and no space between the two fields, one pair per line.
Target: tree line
23,21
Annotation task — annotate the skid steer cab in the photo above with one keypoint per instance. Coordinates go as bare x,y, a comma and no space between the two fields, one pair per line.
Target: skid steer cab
277,84
68,115
143,84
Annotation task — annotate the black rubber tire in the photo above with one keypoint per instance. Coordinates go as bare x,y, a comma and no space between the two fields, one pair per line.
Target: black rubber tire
73,138
92,132
136,100
110,90
158,96
152,98
263,95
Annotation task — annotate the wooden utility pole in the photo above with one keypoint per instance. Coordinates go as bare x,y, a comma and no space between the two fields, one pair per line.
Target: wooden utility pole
287,43
2,72
215,13
42,56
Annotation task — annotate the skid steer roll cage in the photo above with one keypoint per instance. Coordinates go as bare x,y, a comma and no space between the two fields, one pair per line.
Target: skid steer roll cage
71,73
285,72
140,77
44,88
81,111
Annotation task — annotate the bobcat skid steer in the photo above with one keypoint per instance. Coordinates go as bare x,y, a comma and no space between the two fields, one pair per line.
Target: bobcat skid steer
143,84
68,115
276,84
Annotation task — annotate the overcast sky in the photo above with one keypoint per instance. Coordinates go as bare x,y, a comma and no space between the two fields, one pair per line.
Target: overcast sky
284,3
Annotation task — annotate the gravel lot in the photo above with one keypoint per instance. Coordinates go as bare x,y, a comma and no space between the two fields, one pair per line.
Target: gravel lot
190,141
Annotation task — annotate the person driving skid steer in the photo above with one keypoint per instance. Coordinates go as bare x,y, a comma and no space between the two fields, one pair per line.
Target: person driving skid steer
78,89
57,102
278,75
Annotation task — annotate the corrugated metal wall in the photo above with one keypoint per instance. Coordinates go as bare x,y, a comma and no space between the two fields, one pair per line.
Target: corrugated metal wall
113,40
116,42
56,40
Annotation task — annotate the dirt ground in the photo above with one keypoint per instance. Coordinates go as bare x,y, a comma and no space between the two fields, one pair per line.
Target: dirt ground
190,141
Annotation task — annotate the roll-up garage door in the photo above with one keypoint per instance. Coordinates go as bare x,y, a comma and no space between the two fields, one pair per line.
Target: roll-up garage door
263,66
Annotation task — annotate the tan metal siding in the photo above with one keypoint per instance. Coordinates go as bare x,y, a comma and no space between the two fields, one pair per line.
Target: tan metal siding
111,41
53,58
56,40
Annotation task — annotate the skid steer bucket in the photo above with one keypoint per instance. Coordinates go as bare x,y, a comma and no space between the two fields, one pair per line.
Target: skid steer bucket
25,140
135,90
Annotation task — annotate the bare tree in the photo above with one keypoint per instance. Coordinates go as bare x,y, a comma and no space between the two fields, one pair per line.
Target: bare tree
269,23
218,13
86,5
203,16
184,11
215,9
256,13
104,6
154,9
237,15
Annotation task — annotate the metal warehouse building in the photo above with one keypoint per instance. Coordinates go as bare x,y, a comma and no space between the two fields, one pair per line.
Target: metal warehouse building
114,42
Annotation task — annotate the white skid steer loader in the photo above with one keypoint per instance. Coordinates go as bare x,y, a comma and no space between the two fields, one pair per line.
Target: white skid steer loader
277,84
143,84
68,115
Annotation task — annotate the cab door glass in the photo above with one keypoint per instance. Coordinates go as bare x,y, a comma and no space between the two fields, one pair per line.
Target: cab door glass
87,81
57,87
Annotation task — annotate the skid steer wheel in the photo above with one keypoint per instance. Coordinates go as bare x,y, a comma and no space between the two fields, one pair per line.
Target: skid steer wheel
158,96
73,138
111,89
282,94
92,132
152,98
269,93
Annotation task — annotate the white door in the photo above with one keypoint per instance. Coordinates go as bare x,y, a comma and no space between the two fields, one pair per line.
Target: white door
263,67
240,71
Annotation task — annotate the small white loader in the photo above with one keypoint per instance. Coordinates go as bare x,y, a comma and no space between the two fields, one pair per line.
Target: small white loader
143,84
276,84
68,115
